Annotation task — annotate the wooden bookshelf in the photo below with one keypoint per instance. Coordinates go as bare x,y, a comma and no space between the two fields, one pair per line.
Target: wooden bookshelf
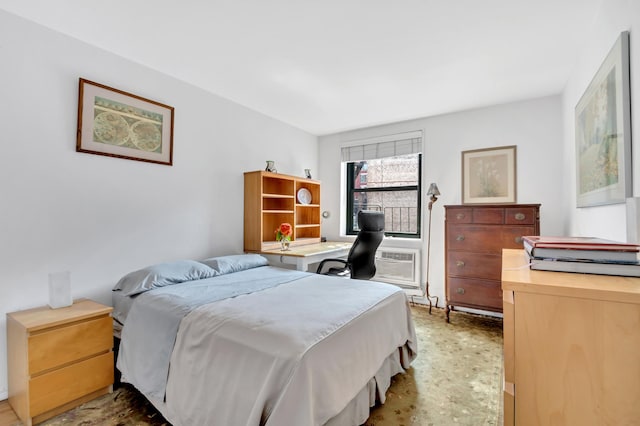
271,199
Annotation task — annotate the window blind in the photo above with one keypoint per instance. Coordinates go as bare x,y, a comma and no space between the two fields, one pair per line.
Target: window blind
383,147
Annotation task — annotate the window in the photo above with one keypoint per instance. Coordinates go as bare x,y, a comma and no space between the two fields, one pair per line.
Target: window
385,176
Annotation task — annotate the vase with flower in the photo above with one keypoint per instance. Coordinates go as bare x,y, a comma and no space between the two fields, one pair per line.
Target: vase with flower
283,234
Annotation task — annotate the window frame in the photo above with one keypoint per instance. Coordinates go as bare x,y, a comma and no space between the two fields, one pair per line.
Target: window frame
351,190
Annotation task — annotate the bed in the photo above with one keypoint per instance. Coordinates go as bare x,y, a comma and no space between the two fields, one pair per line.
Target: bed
233,341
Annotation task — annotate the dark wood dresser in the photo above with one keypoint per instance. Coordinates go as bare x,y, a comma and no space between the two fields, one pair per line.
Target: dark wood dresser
474,238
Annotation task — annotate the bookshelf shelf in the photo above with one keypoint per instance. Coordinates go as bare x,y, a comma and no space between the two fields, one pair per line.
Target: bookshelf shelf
271,199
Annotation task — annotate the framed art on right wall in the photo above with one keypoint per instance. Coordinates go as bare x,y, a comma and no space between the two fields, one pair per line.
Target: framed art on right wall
603,132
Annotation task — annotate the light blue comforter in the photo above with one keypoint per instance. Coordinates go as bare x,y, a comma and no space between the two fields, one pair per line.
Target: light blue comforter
149,334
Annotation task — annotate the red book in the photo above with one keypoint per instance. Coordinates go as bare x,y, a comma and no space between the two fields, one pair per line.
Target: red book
581,248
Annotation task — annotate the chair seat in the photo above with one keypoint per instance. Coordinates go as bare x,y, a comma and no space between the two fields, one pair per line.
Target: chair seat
341,272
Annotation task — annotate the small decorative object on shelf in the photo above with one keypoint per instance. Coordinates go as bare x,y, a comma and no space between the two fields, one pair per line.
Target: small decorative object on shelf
283,234
271,167
307,173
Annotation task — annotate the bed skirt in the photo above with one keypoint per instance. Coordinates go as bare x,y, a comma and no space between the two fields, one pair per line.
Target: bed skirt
357,410
374,392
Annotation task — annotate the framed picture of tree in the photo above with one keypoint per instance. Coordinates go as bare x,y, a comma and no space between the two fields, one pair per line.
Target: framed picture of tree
489,175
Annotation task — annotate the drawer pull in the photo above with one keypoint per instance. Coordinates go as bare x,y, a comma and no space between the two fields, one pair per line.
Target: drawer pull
520,216
460,264
460,216
518,240
460,290
460,238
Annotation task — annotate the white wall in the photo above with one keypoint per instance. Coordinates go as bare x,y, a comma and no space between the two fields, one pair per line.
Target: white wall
615,16
102,217
534,126
543,130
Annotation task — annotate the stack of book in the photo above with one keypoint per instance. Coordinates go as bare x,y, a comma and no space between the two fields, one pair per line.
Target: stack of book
583,254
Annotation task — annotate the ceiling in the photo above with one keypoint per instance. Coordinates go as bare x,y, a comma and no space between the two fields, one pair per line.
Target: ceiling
332,65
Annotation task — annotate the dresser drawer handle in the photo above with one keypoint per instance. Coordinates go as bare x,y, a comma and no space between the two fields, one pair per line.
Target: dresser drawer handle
460,290
460,264
518,240
520,216
460,238
460,216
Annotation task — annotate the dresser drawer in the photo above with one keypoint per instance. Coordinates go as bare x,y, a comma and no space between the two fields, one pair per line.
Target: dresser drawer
464,215
520,216
59,346
485,238
474,265
511,236
488,216
55,388
472,238
484,294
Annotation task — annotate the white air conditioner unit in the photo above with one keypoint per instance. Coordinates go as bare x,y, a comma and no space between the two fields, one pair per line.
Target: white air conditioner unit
398,266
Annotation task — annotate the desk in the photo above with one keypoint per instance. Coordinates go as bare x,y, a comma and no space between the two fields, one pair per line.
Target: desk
303,256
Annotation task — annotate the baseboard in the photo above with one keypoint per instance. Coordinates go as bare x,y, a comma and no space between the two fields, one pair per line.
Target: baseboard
4,395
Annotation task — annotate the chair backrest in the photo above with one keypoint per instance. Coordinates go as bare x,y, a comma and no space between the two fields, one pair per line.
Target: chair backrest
362,255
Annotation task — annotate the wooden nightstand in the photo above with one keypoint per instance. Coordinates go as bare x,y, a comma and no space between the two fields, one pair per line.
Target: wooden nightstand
58,358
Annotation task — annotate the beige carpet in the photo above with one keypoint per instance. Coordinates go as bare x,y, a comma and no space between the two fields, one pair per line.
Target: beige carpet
456,380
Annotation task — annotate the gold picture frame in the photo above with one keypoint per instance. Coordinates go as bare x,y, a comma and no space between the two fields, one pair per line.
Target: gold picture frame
603,132
115,123
489,175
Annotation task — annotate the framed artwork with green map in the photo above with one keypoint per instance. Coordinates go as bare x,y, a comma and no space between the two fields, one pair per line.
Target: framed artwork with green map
115,123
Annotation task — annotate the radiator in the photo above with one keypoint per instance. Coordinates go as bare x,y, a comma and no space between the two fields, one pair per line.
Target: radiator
398,266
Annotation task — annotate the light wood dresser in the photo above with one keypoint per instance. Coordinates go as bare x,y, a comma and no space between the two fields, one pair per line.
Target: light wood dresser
58,358
475,237
571,347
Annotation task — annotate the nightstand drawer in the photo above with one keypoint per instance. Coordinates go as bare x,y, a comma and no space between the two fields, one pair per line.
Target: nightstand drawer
53,389
59,346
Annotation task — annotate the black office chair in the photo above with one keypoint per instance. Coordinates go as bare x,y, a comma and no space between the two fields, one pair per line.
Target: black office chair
360,263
